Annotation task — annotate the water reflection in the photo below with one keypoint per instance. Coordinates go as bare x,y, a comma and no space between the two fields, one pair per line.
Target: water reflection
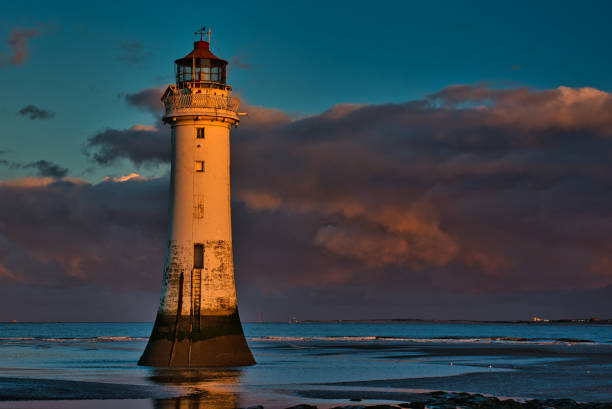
205,388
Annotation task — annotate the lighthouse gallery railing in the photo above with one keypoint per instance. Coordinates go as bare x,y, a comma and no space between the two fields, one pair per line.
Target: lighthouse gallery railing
176,101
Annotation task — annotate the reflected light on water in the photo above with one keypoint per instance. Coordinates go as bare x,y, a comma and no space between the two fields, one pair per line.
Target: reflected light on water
208,388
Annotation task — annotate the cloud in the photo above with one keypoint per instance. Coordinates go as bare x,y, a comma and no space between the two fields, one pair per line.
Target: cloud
239,61
260,118
18,42
109,146
427,186
563,108
72,233
125,178
150,144
47,169
379,249
468,189
33,112
132,51
148,100
141,144
474,201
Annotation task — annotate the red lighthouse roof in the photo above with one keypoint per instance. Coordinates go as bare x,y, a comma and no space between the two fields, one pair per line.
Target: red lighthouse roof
201,49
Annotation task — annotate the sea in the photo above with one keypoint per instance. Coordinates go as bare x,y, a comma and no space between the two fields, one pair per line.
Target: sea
93,365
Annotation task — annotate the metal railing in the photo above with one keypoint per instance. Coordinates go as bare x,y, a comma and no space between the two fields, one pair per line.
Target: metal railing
178,101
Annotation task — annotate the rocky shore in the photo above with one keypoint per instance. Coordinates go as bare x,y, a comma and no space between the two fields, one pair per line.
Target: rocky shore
450,400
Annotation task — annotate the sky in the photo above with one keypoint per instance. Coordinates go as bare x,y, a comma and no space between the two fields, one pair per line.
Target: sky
434,160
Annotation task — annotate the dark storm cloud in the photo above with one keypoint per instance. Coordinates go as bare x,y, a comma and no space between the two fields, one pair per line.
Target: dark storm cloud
470,201
45,168
33,112
140,144
71,233
147,100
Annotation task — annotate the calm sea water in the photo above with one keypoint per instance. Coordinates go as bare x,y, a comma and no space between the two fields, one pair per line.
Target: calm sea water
293,360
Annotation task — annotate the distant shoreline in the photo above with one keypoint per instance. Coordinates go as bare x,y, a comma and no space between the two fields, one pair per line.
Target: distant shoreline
598,321
419,321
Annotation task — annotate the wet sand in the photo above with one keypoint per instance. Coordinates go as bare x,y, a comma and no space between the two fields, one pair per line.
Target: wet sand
15,389
579,371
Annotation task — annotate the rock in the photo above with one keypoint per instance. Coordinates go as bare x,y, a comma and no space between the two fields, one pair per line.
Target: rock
303,406
350,407
459,399
561,403
382,407
413,405
441,405
532,404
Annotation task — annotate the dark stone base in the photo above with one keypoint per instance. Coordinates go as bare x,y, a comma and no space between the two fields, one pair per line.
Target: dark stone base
186,342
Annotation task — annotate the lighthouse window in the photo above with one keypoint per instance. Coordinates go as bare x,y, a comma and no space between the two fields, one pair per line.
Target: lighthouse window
199,166
200,133
198,256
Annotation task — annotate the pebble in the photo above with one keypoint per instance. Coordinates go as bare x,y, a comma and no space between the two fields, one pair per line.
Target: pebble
350,407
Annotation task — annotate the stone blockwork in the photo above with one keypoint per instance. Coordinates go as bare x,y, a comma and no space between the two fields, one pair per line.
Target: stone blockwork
219,290
198,323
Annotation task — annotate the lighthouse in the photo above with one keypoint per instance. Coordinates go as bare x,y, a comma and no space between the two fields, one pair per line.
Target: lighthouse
197,322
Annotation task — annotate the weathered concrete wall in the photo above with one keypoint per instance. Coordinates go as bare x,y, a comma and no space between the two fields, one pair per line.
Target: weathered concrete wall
200,214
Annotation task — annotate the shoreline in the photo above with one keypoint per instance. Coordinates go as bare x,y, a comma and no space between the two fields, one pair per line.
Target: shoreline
578,321
325,399
382,394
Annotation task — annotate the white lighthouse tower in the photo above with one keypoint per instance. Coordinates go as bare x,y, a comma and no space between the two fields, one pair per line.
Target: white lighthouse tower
197,322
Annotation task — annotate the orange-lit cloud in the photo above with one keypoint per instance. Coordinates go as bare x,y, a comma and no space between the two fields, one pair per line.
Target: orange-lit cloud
18,41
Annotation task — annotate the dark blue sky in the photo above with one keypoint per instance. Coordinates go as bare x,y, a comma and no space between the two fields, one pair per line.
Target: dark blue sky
301,58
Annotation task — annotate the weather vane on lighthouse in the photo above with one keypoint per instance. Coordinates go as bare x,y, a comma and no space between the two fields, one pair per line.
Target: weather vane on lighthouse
203,31
197,321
